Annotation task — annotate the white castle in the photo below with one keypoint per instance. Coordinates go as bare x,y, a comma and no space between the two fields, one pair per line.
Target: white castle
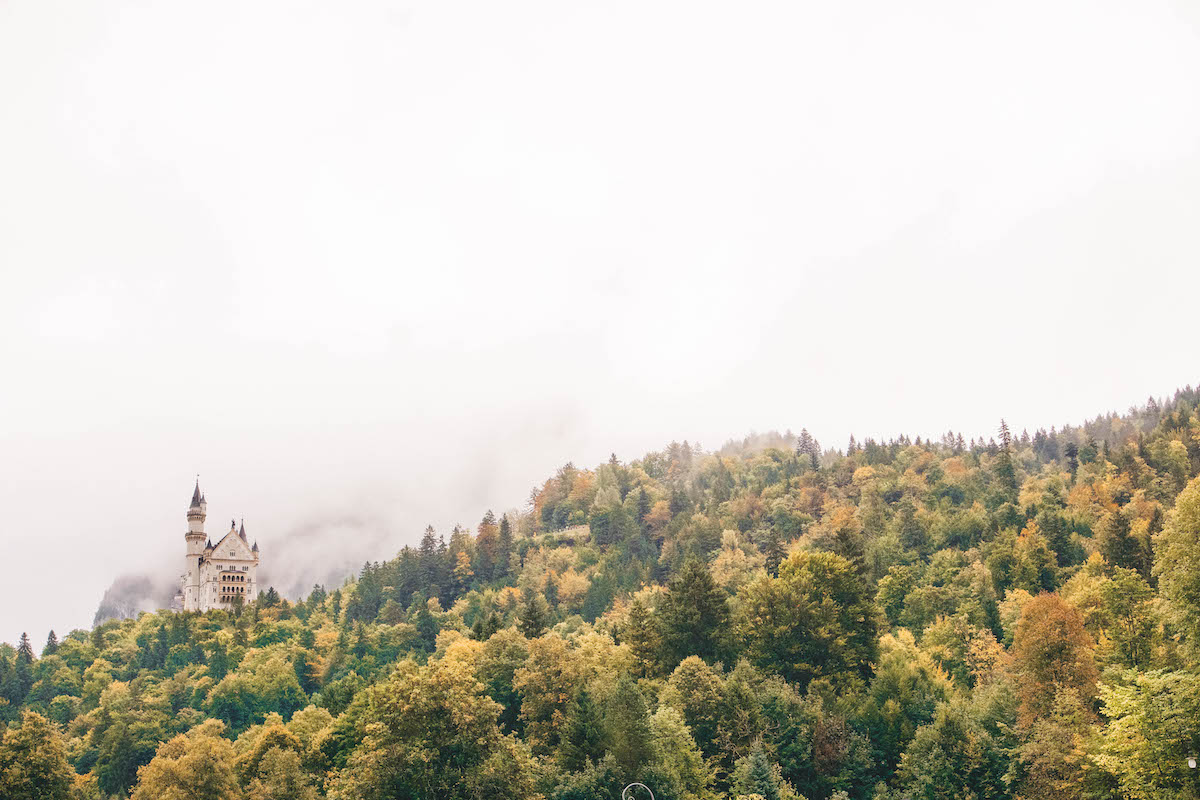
216,574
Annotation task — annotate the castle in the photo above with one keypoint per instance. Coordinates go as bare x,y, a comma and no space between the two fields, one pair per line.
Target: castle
216,574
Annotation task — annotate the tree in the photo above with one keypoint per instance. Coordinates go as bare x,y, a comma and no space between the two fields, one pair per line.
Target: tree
643,505
427,560
197,765
954,757
280,776
642,635
1052,652
431,733
816,619
427,626
504,547
487,546
756,775
774,550
1118,545
462,572
535,615
33,761
583,740
627,726
808,449
1154,727
51,645
1006,473
694,615
1177,562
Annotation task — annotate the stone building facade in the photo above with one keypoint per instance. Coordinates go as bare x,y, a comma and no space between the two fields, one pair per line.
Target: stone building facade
216,574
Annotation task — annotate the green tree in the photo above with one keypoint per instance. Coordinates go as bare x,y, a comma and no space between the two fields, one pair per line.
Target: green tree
642,635
197,765
504,549
33,761
694,615
280,776
535,615
431,733
584,740
627,725
1177,562
815,620
954,757
1118,545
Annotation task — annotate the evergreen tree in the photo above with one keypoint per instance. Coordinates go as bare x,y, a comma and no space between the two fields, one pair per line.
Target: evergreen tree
487,544
1119,546
583,742
627,725
1006,474
760,775
427,627
427,558
643,505
51,645
504,547
695,615
642,635
1072,453
218,662
535,615
774,550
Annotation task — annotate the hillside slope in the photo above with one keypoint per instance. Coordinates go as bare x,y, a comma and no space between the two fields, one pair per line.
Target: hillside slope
1017,617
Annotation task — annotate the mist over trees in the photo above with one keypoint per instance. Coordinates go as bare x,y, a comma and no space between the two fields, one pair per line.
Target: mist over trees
1013,617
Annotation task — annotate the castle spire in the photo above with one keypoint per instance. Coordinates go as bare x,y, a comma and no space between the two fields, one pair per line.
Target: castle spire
242,531
197,498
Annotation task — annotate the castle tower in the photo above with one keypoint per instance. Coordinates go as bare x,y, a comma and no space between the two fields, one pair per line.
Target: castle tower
221,575
196,538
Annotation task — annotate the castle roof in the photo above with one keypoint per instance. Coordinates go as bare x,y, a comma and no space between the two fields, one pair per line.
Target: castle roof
242,532
197,498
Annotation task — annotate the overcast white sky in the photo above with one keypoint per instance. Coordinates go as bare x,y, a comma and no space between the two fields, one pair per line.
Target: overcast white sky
381,264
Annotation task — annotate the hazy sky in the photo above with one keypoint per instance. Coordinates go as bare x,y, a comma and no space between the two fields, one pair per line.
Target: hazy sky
370,265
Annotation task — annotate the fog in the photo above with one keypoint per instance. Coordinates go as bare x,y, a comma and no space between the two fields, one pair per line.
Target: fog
368,266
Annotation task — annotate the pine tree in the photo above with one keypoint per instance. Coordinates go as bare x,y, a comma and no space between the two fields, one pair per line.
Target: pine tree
695,615
1119,546
504,549
427,559
427,627
1071,451
627,726
760,777
643,506
535,615
774,550
51,645
583,741
643,637
218,662
487,544
22,671
1006,473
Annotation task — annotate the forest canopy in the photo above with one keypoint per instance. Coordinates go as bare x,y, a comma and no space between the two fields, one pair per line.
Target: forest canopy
940,618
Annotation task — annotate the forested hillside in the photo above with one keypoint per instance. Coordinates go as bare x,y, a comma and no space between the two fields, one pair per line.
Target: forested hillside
1010,618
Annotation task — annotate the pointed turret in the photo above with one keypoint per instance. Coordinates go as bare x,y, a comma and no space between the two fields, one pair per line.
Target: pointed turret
242,532
255,548
197,498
